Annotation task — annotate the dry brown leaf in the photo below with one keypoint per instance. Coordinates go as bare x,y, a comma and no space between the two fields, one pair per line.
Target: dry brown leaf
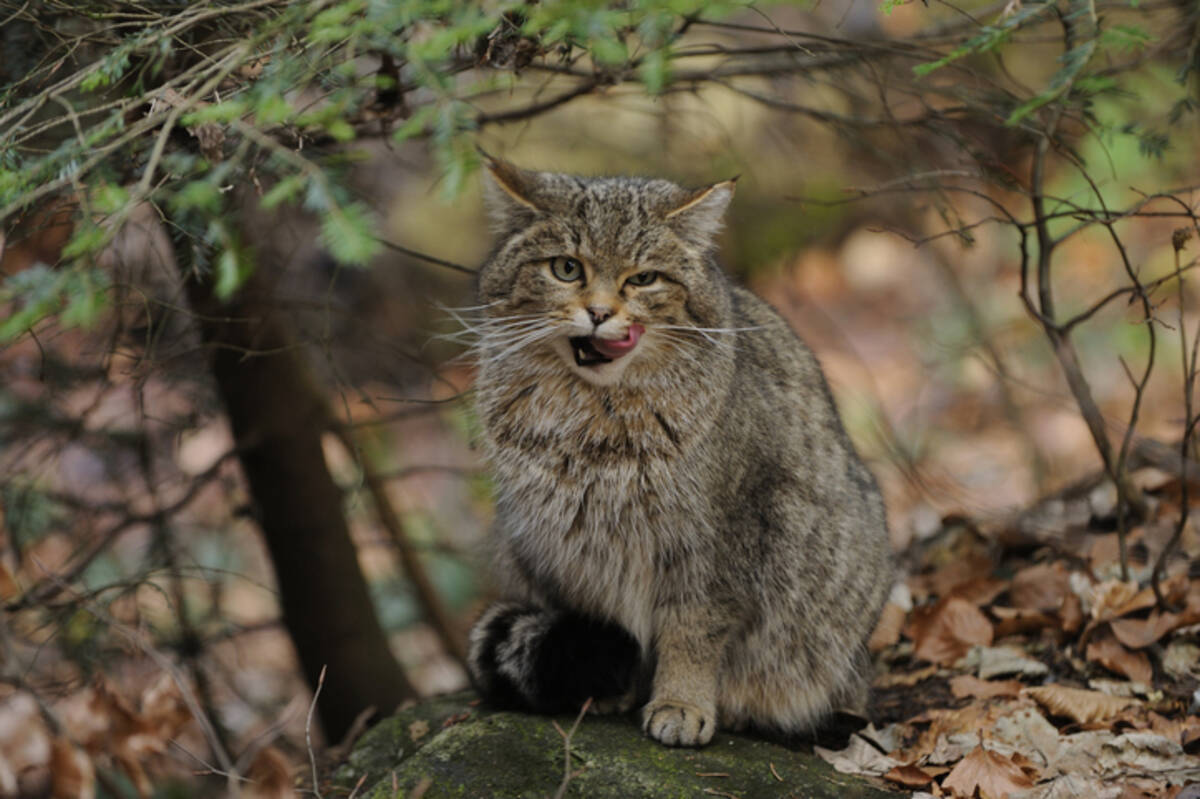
859,757
72,775
24,740
1071,613
965,685
163,709
1077,703
1041,587
973,567
1143,753
1190,737
1114,599
909,776
991,773
1140,633
887,631
270,776
1016,621
8,583
951,734
1109,653
945,632
979,592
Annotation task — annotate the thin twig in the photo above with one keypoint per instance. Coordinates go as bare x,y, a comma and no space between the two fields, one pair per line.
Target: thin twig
569,775
312,706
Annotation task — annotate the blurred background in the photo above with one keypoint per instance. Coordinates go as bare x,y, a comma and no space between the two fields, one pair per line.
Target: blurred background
904,169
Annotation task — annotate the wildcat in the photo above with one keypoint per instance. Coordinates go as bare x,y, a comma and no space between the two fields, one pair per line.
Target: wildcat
681,519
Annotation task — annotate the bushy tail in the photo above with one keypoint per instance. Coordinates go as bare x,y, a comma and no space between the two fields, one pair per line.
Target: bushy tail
533,658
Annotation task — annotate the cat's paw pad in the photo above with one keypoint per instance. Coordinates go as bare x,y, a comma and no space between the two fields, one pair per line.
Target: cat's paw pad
677,723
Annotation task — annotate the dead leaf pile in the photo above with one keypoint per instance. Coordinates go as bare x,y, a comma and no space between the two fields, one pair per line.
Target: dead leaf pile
1036,672
56,748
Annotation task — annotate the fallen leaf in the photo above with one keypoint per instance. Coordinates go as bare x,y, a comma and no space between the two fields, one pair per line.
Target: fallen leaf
1078,704
859,757
1144,753
1182,660
1041,587
1071,614
71,771
908,776
946,631
988,772
163,708
973,567
1106,650
1114,599
8,583
978,592
965,685
1017,621
996,661
270,776
1073,786
1030,735
887,630
24,742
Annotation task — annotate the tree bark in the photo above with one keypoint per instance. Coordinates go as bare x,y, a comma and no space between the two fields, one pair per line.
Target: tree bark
278,416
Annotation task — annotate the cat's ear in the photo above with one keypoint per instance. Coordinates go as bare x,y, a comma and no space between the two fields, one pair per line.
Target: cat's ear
701,209
510,191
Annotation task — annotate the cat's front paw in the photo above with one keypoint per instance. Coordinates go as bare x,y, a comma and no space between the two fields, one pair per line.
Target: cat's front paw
676,723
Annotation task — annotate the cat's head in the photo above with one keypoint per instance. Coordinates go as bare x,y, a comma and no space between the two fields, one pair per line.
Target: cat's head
610,276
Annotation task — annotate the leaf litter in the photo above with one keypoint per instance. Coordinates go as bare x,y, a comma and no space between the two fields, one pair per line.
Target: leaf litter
1023,666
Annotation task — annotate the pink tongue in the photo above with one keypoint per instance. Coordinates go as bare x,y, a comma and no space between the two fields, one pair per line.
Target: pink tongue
611,348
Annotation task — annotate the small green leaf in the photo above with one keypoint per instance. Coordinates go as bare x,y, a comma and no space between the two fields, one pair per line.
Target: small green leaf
340,129
231,270
200,195
349,234
87,239
225,111
272,109
415,124
108,198
283,191
655,71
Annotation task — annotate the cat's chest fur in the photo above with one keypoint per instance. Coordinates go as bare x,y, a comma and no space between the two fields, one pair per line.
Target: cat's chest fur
593,489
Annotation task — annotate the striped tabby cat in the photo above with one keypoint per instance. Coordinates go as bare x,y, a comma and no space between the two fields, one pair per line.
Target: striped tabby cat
681,521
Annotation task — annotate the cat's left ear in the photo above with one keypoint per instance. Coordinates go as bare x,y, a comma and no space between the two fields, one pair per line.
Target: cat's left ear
701,209
510,192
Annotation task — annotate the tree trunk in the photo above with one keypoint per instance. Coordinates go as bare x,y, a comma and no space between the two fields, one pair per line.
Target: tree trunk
278,416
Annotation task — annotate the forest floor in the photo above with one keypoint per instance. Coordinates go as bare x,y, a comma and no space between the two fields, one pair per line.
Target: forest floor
1016,661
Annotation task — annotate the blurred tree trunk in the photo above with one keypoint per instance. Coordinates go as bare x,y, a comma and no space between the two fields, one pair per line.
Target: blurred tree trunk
278,417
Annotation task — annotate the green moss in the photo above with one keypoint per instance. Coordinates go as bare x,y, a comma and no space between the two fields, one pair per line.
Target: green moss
468,751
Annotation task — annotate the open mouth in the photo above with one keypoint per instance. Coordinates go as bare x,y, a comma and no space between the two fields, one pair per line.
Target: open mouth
593,351
586,353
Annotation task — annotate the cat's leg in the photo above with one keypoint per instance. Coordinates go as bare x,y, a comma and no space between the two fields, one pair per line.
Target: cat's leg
683,702
526,656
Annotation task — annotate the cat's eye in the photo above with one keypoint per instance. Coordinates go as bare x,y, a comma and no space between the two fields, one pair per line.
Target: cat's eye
566,269
642,278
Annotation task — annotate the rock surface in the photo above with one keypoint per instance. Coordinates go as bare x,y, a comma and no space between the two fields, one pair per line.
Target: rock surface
448,747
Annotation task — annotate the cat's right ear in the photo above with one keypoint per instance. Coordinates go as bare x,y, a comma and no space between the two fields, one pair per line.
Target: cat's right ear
510,192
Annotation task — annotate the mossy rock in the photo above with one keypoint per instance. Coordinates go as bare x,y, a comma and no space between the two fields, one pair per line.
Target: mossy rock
452,747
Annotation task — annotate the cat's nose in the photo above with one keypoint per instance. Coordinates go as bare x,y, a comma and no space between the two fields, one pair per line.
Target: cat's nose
599,313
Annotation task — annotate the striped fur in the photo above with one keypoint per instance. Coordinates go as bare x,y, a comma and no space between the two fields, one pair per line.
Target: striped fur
699,492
